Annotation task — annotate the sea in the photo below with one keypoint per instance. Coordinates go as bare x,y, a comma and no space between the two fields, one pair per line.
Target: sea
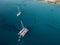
41,18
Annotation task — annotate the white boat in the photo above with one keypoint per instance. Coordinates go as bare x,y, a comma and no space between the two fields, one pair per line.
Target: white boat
19,13
22,32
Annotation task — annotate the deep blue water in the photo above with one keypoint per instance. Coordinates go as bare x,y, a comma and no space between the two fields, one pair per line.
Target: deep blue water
41,18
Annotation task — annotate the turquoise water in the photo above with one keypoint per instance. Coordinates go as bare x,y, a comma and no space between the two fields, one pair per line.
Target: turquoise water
41,18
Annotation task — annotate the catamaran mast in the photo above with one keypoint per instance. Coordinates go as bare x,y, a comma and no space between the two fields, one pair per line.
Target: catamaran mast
22,24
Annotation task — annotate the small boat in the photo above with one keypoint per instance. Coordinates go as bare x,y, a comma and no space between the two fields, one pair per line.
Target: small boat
19,13
22,32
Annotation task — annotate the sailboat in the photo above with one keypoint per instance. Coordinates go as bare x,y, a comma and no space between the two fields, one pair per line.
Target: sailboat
19,12
22,32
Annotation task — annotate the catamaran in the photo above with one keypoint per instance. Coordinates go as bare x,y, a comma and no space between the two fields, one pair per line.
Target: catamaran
22,32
